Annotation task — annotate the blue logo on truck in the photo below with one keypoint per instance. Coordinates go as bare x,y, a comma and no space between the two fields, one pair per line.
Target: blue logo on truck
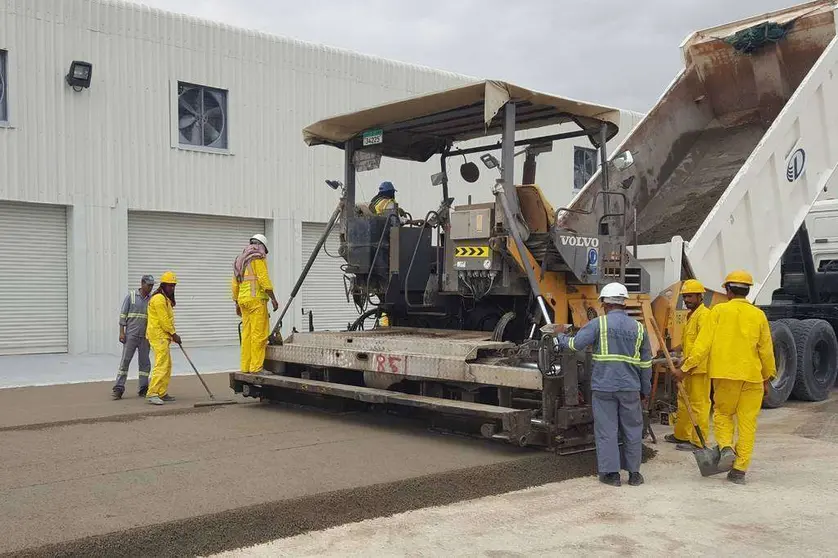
593,259
797,163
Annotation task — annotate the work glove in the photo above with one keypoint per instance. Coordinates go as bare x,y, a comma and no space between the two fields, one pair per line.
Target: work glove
176,338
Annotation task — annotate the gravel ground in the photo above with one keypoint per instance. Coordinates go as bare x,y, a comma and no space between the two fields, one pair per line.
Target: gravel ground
697,183
85,476
789,508
82,475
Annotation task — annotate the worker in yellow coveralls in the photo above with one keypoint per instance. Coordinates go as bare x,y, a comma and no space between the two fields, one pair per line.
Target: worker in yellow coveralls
160,333
252,288
697,381
736,340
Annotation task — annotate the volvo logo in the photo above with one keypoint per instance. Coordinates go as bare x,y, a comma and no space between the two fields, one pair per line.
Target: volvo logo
579,241
796,165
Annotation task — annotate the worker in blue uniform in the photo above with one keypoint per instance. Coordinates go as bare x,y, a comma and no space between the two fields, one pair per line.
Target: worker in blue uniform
621,380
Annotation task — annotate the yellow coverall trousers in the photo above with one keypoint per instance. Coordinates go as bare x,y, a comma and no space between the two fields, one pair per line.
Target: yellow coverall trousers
162,371
697,387
255,325
743,400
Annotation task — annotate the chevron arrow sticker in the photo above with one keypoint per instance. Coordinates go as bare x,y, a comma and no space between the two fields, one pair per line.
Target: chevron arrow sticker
471,252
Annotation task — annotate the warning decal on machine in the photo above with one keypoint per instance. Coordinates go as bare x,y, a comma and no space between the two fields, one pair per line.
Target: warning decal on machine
471,252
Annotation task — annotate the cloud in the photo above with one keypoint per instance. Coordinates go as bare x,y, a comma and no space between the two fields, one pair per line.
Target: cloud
609,51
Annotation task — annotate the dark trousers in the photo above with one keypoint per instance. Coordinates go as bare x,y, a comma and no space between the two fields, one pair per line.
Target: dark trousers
615,413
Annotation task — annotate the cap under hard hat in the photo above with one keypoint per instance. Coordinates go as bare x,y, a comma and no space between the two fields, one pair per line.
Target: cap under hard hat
386,186
739,278
614,293
168,277
261,238
147,280
692,286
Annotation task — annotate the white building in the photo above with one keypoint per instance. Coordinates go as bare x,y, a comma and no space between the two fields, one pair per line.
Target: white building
186,142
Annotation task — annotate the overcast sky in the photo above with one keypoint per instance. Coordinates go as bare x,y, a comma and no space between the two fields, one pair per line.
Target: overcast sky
617,52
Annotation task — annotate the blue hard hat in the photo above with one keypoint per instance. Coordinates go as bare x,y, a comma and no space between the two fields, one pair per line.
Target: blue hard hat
386,186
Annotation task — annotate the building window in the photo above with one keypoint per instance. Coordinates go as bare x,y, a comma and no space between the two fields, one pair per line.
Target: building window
4,88
585,163
202,116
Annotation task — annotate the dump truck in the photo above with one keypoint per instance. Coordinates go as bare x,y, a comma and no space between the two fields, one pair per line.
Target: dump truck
730,161
719,175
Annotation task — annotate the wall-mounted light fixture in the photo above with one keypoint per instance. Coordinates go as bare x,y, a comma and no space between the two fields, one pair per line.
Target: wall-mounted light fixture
79,75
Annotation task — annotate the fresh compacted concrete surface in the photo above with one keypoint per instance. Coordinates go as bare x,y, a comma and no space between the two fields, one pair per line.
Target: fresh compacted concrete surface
83,475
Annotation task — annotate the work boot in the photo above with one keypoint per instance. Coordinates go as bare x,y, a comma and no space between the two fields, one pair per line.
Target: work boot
612,479
116,394
726,458
142,392
736,476
155,400
636,479
673,440
687,446
168,398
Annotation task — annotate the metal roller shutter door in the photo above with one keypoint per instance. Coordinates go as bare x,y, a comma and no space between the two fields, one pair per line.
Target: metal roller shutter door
33,278
200,249
323,290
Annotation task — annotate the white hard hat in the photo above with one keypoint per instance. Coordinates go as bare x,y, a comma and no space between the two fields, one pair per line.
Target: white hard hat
615,293
261,238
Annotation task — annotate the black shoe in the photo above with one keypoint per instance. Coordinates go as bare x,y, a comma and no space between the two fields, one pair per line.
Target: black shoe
726,459
142,392
736,476
168,398
673,440
116,394
635,479
612,479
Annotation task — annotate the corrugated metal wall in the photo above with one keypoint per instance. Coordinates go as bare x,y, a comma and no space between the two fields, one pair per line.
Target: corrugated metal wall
113,140
109,149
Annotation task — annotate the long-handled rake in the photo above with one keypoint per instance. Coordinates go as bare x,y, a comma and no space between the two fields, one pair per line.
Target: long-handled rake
213,401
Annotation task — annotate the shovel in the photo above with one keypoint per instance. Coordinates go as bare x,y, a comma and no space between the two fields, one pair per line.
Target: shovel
706,458
213,401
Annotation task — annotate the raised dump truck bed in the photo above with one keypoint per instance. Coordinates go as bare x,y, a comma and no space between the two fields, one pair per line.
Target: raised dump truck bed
737,150
730,161
711,160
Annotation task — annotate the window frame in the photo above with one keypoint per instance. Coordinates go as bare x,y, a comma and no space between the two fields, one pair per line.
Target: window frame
174,110
588,151
5,118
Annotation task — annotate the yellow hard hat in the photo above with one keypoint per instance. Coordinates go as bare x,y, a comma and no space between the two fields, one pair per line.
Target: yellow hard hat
691,286
169,277
739,276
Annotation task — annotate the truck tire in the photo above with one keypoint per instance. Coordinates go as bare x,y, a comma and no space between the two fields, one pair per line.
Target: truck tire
817,359
791,322
785,355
